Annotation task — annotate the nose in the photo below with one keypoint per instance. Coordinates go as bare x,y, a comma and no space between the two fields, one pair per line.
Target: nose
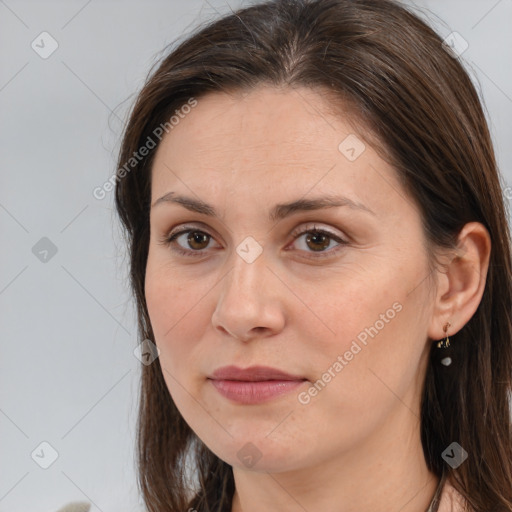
250,303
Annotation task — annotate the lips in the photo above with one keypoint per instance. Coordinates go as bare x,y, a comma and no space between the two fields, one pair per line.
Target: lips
253,374
255,384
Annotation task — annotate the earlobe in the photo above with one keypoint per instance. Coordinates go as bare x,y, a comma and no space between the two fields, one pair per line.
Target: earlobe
464,275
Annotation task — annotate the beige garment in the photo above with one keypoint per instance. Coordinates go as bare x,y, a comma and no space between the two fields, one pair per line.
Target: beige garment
451,500
76,506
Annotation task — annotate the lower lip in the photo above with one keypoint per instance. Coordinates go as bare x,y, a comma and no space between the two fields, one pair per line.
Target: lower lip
245,392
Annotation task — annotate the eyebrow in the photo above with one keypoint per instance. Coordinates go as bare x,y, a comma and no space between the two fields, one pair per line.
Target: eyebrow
280,211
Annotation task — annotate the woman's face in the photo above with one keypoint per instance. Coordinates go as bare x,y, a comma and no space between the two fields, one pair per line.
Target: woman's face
346,311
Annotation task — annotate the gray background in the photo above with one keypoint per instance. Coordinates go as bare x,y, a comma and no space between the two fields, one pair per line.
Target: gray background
68,375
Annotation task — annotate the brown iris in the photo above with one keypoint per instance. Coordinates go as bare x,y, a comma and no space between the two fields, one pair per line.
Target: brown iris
197,237
318,238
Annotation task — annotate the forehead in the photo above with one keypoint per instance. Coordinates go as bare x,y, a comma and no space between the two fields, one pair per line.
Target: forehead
258,127
266,140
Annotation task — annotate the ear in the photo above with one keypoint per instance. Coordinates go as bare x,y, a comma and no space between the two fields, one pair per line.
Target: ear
461,281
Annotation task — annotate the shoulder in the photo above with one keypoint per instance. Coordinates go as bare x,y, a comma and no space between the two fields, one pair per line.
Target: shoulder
451,500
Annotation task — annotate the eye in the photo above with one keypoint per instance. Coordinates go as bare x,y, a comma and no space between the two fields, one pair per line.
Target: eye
196,239
318,240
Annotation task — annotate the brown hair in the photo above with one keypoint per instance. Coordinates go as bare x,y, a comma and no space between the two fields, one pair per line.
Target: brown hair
422,109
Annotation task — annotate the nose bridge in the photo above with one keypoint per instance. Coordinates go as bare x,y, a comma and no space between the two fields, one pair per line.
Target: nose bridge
246,278
245,302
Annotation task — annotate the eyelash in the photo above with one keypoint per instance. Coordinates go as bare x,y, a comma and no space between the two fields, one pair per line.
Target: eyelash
169,241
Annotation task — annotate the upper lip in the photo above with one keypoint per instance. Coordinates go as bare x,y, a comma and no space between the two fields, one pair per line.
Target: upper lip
252,374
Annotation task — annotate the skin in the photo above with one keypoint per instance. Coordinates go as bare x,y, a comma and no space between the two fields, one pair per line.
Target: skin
355,446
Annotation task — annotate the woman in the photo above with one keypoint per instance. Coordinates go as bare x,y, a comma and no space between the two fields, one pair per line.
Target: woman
320,252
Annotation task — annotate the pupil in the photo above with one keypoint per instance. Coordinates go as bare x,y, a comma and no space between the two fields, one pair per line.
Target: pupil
315,238
195,236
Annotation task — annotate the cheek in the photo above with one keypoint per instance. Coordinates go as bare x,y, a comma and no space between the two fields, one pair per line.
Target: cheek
367,332
172,295
349,306
175,310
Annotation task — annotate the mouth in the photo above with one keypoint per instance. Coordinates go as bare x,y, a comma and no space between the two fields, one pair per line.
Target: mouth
255,384
253,374
254,392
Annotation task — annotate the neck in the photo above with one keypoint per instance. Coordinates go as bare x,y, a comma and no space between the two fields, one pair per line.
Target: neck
379,475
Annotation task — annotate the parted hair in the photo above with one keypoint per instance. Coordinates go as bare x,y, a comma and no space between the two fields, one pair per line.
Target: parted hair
379,61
